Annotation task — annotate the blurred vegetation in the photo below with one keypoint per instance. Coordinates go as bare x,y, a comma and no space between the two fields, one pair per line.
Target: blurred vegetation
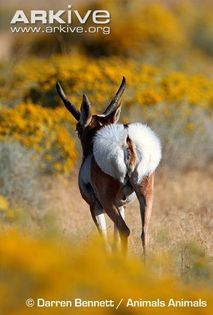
6,212
178,105
152,30
19,176
164,49
64,272
34,79
42,130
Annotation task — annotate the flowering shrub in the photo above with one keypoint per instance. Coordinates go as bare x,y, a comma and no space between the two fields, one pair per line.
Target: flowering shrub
35,125
137,26
41,129
6,212
143,27
34,81
33,268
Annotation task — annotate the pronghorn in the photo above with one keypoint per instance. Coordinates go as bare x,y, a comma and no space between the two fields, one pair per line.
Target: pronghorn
118,164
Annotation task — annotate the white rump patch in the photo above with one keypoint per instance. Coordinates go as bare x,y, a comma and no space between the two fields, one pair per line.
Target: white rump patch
110,147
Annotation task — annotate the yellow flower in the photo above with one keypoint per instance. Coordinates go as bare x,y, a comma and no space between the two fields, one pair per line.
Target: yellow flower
4,205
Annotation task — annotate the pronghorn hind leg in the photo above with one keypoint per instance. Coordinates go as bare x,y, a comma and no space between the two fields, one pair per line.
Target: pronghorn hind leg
143,222
144,192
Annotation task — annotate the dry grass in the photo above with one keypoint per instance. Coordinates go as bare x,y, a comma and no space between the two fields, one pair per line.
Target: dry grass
182,212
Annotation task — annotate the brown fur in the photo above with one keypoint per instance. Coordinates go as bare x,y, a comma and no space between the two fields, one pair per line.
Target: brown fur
107,189
103,192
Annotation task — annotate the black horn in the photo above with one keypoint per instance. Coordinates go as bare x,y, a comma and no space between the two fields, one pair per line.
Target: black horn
71,108
116,98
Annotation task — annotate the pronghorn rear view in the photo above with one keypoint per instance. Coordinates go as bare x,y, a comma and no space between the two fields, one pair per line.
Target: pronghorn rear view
118,164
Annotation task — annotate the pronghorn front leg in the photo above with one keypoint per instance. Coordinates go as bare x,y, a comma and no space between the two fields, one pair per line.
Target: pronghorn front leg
107,190
98,216
121,226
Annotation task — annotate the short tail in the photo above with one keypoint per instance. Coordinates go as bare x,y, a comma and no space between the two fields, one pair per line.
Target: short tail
130,156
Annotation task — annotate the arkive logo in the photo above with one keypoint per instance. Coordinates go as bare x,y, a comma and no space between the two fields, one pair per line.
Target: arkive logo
69,21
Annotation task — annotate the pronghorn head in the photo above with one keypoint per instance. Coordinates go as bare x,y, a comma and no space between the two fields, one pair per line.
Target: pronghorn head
88,124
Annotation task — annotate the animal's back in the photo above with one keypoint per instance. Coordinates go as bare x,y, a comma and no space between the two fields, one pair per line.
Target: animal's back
121,150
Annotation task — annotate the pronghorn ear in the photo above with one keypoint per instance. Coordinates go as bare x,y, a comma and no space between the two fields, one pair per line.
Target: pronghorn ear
112,118
85,116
